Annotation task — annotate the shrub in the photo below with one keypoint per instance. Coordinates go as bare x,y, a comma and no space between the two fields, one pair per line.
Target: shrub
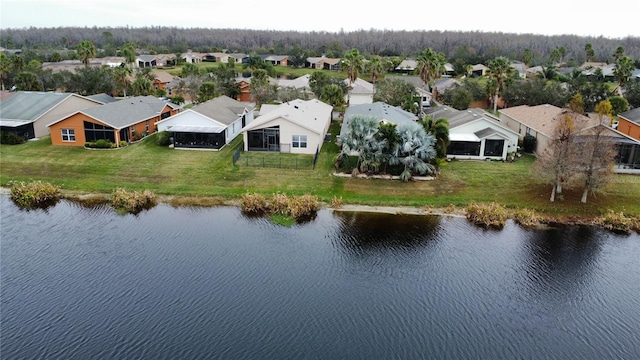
34,194
617,222
9,138
336,202
529,143
526,217
133,201
163,138
302,206
487,215
279,204
253,203
123,143
100,144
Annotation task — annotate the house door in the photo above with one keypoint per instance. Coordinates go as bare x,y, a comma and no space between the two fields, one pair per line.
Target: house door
272,142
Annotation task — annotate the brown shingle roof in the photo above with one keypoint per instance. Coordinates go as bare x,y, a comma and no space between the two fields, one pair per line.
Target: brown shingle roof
540,118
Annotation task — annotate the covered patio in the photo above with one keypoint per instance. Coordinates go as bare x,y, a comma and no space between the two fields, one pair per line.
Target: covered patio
198,137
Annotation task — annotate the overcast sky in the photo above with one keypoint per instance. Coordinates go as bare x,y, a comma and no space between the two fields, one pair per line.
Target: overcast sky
546,17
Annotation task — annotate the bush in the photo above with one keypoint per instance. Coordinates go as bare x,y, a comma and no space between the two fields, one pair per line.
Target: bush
617,222
133,201
253,203
9,138
34,194
529,143
491,215
163,138
281,205
100,144
123,143
526,217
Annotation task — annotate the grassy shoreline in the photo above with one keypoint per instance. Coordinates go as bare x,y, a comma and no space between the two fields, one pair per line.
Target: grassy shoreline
208,177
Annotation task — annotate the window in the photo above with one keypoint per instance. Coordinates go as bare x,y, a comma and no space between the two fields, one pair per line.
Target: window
146,125
299,141
68,135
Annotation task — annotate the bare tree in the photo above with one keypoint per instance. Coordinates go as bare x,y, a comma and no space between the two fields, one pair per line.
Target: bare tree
556,163
596,159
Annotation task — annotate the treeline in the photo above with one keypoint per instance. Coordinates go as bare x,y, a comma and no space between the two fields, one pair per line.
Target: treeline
454,44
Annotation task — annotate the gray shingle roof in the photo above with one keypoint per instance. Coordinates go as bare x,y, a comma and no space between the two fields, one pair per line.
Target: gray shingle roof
26,105
223,109
380,111
632,115
123,113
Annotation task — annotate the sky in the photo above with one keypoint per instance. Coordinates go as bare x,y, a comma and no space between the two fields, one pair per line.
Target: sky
544,17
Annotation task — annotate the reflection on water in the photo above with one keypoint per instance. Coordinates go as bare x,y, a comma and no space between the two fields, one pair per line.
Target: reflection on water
84,282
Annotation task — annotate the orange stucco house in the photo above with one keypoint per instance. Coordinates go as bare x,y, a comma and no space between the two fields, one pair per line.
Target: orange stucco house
124,120
629,123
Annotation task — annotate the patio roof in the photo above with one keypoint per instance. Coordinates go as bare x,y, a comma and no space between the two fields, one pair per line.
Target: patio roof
197,129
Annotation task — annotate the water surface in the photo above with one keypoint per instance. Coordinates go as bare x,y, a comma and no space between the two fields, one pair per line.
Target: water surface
208,283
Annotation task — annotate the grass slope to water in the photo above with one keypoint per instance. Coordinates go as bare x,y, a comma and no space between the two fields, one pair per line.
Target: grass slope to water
184,173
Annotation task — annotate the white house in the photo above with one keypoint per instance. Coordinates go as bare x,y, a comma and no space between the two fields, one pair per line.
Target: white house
359,92
477,135
209,125
297,126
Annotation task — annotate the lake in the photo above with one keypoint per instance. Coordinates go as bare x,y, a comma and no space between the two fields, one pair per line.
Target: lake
213,283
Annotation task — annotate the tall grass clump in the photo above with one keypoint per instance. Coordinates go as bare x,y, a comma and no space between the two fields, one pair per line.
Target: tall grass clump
617,222
253,203
491,215
133,201
34,194
526,217
281,207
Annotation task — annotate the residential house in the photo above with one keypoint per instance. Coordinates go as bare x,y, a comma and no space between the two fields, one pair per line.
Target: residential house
475,134
381,111
245,89
73,65
629,123
154,61
479,70
301,82
406,66
123,120
191,57
628,157
538,121
442,85
298,126
323,63
240,58
359,92
161,79
219,57
27,113
208,125
276,60
520,69
532,72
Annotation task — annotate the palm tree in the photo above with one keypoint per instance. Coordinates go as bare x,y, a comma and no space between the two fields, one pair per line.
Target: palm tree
588,49
618,54
5,68
86,50
129,52
333,95
440,130
624,69
361,138
430,65
121,75
375,67
415,151
499,70
353,64
527,57
141,86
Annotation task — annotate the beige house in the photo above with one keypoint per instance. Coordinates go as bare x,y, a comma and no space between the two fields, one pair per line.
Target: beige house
27,113
538,121
297,127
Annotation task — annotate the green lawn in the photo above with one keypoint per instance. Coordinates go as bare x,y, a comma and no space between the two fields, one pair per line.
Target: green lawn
165,171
